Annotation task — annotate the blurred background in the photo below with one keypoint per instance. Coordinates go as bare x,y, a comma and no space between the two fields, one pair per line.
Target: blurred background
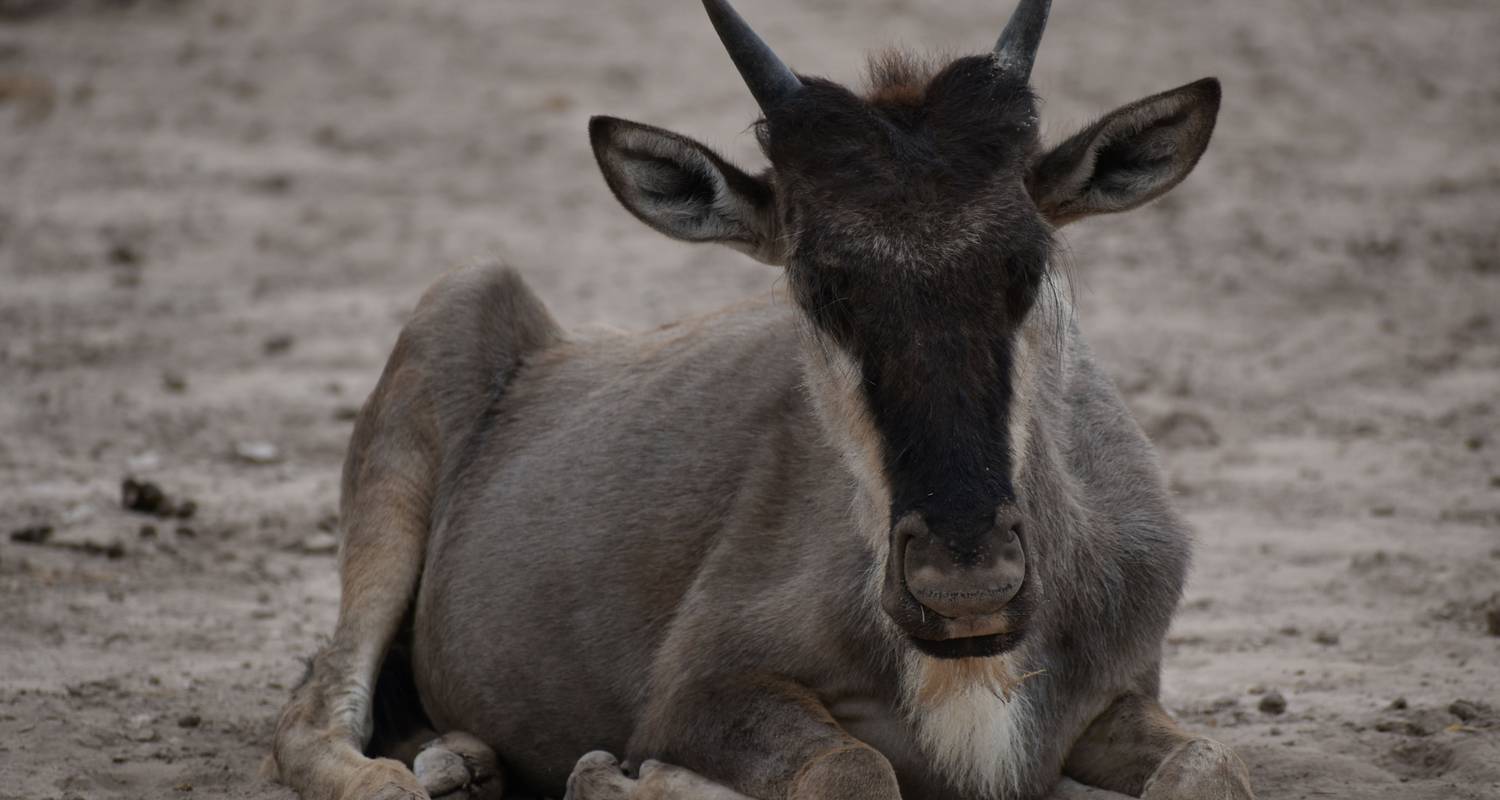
214,215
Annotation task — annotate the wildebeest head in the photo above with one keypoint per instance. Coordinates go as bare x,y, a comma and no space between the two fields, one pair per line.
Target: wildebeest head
915,223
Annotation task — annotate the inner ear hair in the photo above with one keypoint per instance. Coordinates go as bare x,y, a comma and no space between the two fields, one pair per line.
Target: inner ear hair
1132,156
682,188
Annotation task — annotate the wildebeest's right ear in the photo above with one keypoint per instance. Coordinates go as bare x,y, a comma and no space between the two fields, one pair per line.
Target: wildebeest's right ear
1133,155
684,189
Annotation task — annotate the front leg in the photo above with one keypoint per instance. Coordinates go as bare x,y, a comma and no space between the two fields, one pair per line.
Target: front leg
743,737
1134,747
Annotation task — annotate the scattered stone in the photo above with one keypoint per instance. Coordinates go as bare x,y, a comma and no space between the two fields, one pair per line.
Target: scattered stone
1418,723
183,787
138,729
1466,710
1326,638
274,183
113,550
1399,704
320,544
1383,511
189,721
278,344
1290,630
257,452
144,497
148,531
186,532
32,534
124,254
142,462
1492,621
1256,689
346,413
174,382
1272,703
77,514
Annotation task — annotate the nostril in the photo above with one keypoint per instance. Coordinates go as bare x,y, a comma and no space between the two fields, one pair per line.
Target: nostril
1008,519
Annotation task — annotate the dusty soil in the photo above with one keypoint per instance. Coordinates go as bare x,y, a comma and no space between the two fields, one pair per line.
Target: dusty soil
214,214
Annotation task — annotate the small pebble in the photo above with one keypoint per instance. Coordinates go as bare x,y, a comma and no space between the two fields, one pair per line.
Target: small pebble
33,534
143,496
278,344
1326,638
1399,704
1272,703
257,452
189,721
1464,710
320,543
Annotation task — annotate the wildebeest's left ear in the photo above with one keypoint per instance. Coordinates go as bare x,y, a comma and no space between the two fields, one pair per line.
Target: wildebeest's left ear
684,189
1133,155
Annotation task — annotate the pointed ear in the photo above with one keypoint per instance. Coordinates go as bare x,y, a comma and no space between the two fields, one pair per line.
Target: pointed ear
684,189
1133,155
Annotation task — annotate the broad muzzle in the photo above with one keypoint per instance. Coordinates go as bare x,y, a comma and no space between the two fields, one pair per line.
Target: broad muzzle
943,587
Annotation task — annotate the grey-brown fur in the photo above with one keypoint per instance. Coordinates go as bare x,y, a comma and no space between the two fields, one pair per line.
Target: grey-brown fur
717,547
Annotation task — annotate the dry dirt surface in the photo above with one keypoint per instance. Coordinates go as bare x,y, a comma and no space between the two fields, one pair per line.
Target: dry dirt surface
215,213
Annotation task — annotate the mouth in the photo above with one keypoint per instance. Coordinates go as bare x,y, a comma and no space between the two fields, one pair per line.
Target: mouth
958,637
993,644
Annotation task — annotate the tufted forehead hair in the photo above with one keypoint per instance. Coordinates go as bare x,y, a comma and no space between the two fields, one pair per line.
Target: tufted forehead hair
922,136
896,77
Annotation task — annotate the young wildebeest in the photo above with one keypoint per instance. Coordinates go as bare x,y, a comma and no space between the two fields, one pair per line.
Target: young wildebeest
898,537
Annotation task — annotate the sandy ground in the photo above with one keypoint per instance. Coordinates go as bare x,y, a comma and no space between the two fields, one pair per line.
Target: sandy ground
214,215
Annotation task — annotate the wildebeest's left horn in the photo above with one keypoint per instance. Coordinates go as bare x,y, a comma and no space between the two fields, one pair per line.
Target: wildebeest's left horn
768,78
1016,50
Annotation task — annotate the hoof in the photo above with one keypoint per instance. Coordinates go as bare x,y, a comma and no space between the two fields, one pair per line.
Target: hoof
457,766
597,776
384,779
1201,769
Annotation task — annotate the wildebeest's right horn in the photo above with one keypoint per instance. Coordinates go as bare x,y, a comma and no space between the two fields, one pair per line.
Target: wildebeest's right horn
1016,50
768,78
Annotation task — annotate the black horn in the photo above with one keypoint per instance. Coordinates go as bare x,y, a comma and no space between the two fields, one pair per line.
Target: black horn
768,78
1016,50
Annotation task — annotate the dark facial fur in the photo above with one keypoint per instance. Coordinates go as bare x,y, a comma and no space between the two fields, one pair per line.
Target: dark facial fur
916,248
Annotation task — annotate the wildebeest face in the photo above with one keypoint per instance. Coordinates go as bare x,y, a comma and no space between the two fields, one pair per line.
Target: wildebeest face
915,224
915,250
